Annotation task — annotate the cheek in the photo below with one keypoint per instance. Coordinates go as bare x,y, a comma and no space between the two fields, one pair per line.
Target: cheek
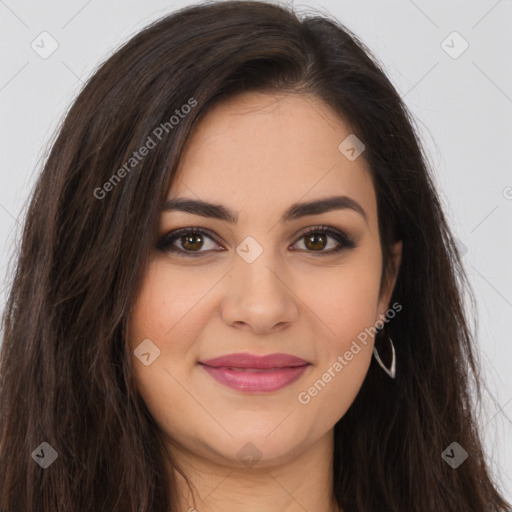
346,304
164,313
345,300
344,357
161,314
164,306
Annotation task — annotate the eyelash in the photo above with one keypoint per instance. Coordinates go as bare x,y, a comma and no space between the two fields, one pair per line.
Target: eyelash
165,243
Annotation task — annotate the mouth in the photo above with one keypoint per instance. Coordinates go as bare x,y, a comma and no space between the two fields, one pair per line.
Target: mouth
256,374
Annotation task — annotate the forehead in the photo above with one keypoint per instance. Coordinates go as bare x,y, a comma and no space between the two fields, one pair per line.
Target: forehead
259,149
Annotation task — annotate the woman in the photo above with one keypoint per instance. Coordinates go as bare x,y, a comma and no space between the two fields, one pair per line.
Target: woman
237,288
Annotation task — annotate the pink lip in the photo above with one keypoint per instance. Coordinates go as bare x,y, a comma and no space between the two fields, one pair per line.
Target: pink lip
246,372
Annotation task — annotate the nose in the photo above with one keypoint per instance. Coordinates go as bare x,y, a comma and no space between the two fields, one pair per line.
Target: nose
259,297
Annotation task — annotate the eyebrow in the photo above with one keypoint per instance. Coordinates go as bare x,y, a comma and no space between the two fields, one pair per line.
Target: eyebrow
295,211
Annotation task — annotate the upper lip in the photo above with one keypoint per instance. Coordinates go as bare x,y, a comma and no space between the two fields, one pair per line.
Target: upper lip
246,360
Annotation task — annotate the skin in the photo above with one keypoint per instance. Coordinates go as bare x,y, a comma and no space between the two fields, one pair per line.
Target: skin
257,154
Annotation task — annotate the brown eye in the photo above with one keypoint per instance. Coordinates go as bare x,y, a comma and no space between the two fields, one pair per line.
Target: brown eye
187,242
318,239
191,242
315,241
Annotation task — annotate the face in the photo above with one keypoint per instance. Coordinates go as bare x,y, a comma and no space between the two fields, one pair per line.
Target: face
271,280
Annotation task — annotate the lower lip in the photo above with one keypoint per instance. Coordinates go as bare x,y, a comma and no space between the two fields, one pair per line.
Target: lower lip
256,381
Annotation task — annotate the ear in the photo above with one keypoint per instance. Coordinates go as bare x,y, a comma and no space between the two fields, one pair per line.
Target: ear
389,286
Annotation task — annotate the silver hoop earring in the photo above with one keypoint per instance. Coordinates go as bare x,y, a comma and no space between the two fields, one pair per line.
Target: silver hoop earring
391,371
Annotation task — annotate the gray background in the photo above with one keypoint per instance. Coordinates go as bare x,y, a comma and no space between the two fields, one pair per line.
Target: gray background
462,105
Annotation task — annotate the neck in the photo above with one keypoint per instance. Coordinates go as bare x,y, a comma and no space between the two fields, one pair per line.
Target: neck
296,482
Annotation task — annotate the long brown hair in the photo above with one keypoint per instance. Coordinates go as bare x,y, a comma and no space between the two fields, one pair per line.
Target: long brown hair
66,376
